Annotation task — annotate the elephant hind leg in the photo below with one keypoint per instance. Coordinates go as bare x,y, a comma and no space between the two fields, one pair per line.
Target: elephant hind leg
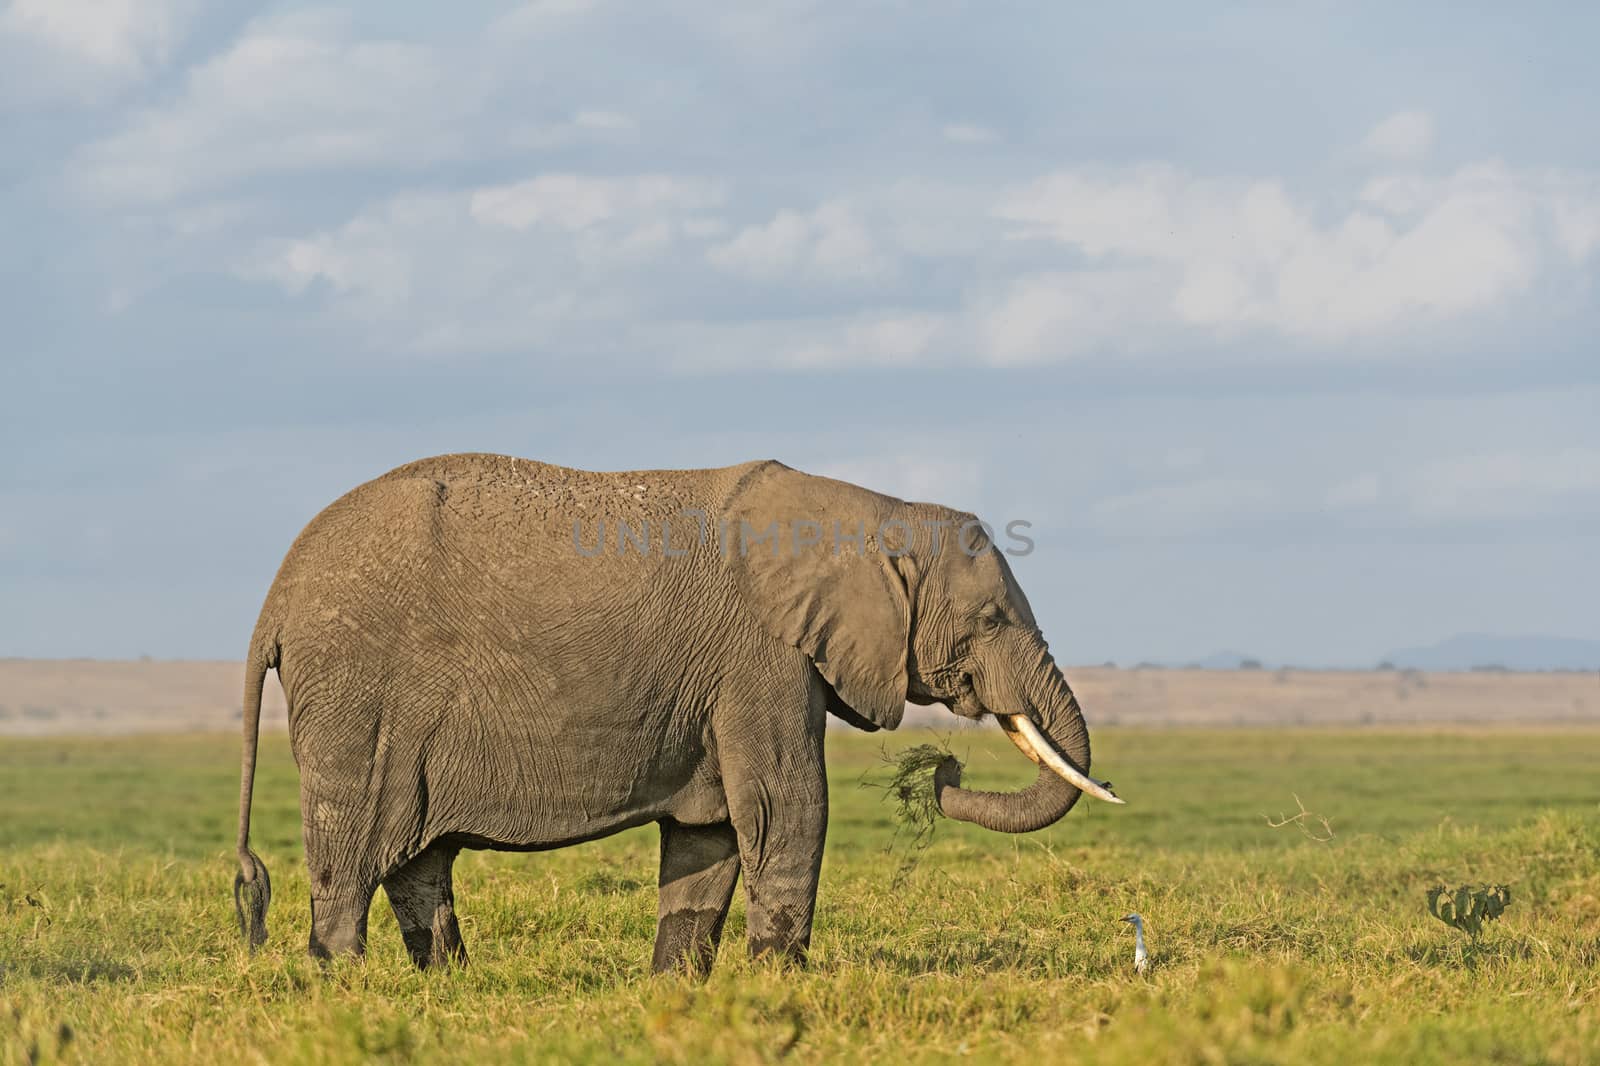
699,867
423,897
339,920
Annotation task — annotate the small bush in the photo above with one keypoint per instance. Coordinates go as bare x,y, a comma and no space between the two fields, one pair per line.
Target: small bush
1468,907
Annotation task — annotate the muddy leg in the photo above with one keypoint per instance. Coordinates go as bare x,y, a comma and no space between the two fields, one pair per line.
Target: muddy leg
699,866
423,899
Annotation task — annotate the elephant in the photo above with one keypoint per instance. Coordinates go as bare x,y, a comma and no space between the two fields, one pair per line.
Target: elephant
481,651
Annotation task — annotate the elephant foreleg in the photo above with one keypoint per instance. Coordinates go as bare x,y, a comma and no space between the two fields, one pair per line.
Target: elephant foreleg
780,846
699,866
423,897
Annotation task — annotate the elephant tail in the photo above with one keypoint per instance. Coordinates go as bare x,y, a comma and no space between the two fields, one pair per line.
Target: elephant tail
252,888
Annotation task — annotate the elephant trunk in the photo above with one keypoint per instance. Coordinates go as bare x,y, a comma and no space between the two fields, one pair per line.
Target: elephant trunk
1060,748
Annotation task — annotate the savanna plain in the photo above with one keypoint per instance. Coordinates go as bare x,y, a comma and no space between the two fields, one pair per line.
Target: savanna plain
1273,939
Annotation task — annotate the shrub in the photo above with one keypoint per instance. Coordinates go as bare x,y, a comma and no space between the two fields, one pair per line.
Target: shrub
1468,907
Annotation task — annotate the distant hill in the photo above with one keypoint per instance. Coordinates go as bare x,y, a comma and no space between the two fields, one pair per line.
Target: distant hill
1466,651
1227,660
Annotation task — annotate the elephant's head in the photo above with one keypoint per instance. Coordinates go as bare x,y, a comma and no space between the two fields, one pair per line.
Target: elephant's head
898,601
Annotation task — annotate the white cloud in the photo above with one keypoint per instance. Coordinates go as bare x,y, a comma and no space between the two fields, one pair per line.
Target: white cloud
1229,255
533,264
80,49
1104,262
1577,218
361,257
294,92
827,243
1405,136
402,275
118,34
1052,316
304,92
1165,262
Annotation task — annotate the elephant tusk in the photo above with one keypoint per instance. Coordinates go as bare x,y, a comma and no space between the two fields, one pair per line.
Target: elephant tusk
1026,736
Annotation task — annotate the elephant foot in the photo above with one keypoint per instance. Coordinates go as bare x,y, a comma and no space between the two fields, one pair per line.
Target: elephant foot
339,925
686,942
446,947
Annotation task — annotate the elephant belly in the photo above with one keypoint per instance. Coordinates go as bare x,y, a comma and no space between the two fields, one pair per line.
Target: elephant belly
402,752
558,783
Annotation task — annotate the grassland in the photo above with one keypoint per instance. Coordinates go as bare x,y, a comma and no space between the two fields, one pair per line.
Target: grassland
117,940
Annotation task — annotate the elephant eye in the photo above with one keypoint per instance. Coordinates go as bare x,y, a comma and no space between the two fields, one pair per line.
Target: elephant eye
990,620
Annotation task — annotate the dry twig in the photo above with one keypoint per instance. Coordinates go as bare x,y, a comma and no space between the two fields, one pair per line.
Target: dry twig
1314,826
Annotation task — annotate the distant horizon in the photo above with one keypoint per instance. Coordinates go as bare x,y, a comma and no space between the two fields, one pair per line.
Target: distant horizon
1213,661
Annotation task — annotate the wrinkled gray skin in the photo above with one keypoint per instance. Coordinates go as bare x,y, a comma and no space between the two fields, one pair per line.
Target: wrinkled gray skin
460,675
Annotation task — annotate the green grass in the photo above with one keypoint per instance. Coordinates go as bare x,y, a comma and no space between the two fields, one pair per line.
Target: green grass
117,937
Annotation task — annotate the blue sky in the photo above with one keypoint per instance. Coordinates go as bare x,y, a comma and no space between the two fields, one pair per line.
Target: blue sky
1277,322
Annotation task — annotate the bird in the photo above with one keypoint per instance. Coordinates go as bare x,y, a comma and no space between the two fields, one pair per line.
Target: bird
1141,957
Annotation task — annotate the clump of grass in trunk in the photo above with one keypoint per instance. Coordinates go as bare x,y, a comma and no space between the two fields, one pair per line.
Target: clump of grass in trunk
910,786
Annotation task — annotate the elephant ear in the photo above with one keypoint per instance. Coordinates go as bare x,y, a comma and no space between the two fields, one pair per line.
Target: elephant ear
840,598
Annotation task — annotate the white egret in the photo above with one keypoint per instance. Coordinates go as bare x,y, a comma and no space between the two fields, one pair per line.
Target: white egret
1141,957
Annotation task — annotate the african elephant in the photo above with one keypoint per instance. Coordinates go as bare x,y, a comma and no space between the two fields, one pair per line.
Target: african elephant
487,652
